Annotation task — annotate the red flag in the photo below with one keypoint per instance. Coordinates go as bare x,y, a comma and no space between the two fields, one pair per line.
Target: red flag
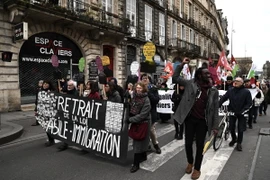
233,61
223,62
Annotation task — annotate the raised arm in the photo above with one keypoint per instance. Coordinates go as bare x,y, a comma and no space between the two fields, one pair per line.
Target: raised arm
176,75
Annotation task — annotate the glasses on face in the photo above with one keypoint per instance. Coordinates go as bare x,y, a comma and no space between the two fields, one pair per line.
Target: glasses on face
237,80
70,84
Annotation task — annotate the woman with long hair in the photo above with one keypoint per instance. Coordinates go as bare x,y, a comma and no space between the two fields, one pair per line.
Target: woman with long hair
111,93
140,113
94,91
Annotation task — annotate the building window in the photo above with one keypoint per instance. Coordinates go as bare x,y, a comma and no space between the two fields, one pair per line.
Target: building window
161,3
148,23
76,6
202,45
131,15
172,4
183,36
107,5
161,29
174,33
190,10
196,15
191,36
181,8
196,39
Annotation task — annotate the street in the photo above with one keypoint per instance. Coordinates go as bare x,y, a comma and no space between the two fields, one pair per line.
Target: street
27,158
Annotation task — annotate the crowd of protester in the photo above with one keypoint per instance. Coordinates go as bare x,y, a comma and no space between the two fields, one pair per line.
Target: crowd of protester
189,114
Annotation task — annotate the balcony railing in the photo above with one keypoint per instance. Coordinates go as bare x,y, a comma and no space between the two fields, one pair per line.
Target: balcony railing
76,10
191,21
184,16
185,46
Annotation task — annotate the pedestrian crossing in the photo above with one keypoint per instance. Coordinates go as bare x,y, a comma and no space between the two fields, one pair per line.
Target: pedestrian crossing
213,161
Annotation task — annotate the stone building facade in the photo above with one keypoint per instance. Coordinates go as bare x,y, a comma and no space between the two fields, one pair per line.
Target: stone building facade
119,29
70,31
179,28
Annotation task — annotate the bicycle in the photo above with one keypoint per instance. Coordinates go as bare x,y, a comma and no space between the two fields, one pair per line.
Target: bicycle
223,132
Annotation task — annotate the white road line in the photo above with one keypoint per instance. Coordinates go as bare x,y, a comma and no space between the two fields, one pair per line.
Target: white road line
168,151
213,162
160,132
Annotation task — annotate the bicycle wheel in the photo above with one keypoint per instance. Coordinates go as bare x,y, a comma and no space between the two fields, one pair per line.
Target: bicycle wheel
218,138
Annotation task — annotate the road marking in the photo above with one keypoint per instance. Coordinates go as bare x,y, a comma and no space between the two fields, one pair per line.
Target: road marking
154,161
160,132
213,162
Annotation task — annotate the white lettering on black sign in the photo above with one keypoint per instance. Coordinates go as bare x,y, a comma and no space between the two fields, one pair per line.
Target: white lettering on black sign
92,124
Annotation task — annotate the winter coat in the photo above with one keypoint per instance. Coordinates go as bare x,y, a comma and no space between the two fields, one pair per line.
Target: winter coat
114,97
176,98
258,98
142,104
154,99
189,98
240,100
94,95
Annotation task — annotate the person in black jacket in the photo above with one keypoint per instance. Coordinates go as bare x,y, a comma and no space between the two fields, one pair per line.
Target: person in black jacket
176,98
118,88
154,99
240,102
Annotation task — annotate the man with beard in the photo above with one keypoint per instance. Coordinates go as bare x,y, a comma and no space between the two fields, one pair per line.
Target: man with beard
198,109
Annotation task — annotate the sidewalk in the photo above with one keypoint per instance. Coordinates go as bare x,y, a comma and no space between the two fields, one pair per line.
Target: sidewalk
15,125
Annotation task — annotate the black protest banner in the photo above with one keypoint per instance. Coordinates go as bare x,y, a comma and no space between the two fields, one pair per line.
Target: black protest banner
94,125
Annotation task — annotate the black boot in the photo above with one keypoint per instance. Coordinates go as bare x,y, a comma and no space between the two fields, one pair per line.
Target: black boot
180,135
158,150
136,163
143,157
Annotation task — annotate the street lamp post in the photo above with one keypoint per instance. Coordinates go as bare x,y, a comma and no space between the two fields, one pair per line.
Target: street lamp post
233,31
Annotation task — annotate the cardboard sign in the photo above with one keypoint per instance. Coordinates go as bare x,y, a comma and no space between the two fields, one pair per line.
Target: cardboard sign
105,60
149,50
134,68
165,104
96,126
99,63
81,64
55,62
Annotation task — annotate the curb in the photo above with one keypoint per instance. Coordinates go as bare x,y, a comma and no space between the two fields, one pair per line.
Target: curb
14,134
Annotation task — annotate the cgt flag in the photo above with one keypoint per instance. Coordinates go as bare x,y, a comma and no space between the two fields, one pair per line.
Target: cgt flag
223,62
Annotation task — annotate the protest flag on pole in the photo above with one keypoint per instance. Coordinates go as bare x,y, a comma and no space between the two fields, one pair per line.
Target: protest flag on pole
235,66
251,72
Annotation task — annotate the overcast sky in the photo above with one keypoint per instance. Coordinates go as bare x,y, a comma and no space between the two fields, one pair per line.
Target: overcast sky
251,22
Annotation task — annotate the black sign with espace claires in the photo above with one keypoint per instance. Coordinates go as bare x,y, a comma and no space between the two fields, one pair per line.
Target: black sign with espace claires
40,47
94,125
